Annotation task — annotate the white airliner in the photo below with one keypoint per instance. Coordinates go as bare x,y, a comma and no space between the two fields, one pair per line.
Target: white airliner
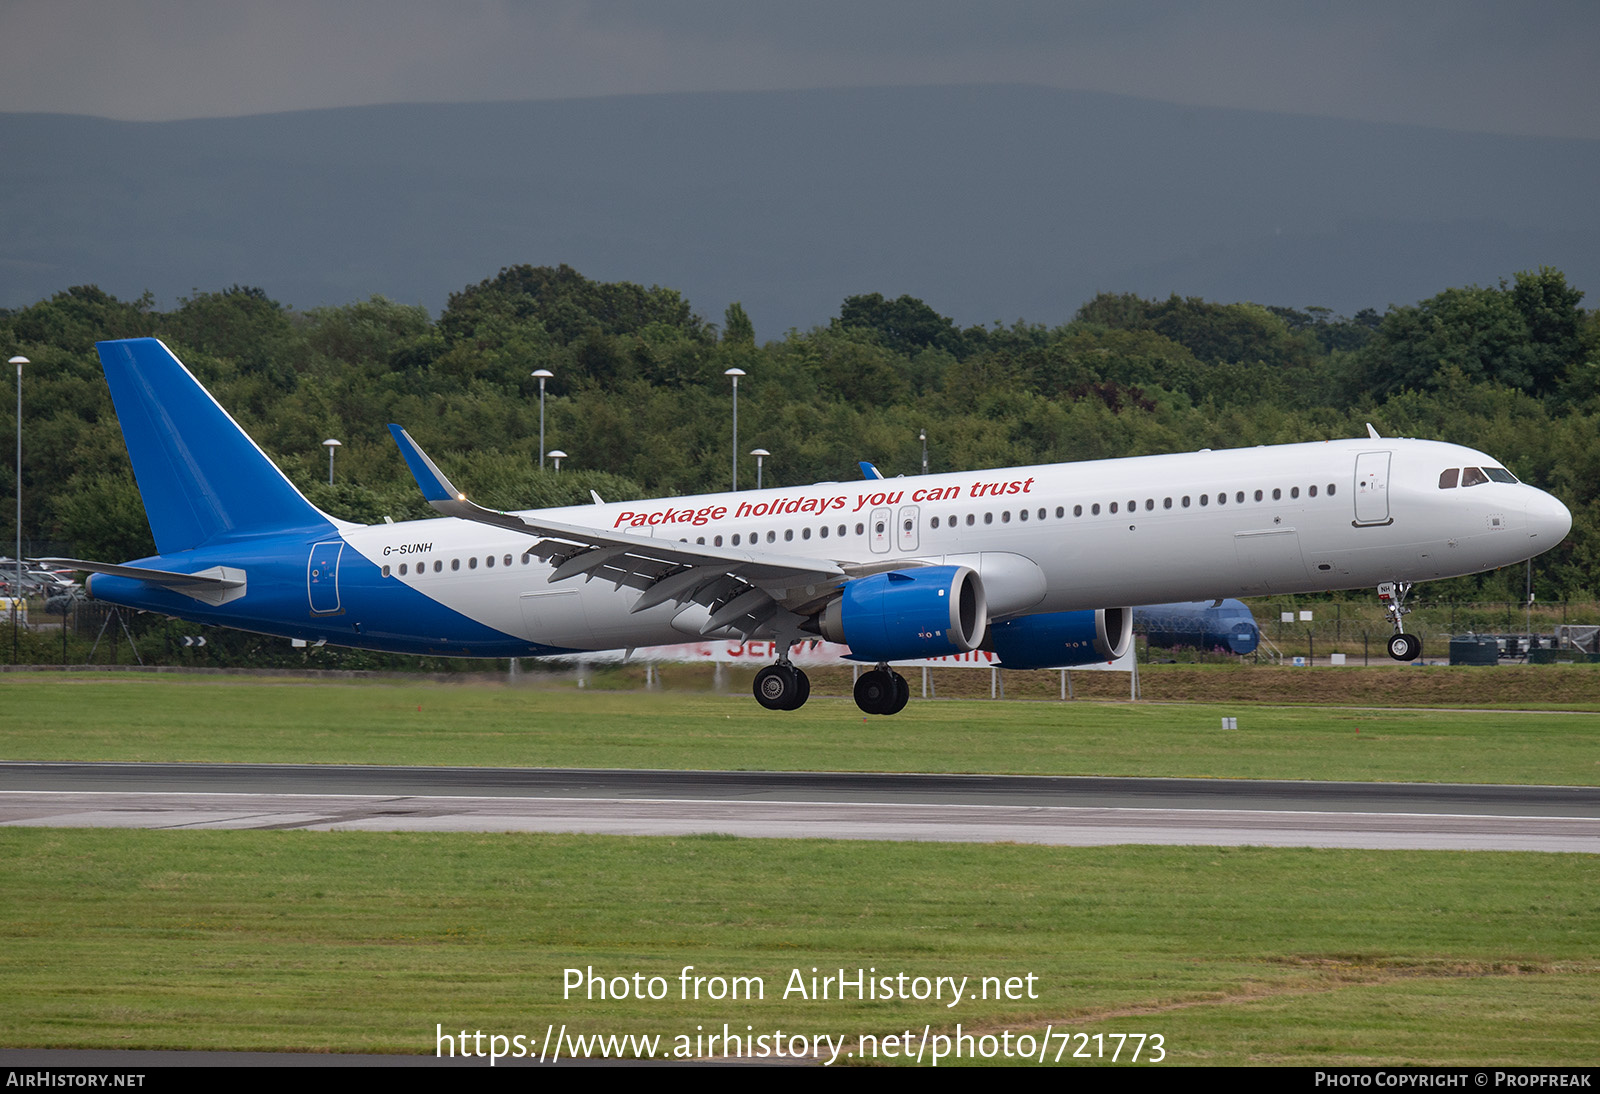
1039,564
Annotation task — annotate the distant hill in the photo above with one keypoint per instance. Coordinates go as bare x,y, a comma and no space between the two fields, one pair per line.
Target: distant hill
991,203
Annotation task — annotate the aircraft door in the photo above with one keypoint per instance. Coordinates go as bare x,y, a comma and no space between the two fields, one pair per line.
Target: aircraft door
322,576
908,530
1372,488
879,535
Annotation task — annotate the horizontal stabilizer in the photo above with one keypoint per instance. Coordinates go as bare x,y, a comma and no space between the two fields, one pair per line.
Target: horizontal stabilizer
218,585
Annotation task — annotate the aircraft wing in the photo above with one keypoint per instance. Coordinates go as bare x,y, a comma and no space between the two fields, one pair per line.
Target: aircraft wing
745,590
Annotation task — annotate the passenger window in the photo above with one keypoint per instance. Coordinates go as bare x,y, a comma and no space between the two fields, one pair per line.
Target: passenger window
1204,499
736,539
1042,513
988,518
1022,514
1077,510
1094,510
824,532
1166,503
1277,494
772,537
934,523
1061,511
1186,501
386,571
402,569
489,562
507,560
1330,490
1313,490
1258,495
455,564
861,528
1222,499
1149,504
472,563
717,541
971,520
438,565
1239,497
1294,491
1113,507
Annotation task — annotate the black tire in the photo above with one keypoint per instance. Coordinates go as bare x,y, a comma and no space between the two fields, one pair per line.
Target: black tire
875,692
902,694
1405,647
777,686
802,689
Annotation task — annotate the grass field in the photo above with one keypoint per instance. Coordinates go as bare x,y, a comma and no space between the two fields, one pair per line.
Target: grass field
364,942
231,719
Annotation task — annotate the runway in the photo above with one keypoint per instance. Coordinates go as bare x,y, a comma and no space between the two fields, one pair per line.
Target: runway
962,808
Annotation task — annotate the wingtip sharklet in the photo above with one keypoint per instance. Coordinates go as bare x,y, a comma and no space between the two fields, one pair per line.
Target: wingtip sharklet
432,482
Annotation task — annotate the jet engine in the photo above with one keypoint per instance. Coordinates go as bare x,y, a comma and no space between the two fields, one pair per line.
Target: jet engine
924,611
1058,640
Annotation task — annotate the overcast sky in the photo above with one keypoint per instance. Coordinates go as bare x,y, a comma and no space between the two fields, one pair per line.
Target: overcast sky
1505,66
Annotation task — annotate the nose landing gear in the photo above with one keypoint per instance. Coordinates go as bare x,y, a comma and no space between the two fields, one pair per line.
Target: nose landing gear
1392,595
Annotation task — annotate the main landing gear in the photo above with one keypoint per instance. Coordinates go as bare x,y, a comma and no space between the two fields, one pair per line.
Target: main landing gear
782,686
1392,595
882,691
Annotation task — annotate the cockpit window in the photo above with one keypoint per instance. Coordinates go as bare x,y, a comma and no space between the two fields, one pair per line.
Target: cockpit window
1449,478
1499,474
1472,476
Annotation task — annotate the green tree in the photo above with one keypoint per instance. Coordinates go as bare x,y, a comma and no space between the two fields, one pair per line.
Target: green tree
905,325
737,330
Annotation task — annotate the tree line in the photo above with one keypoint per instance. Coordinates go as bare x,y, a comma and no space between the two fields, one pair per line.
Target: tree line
640,402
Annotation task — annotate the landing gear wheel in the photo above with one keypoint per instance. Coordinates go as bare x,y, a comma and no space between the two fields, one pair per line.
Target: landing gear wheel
803,691
880,691
902,694
875,692
781,687
1405,647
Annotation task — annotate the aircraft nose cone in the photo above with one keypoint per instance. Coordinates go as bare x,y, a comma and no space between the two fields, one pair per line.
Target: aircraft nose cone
1549,520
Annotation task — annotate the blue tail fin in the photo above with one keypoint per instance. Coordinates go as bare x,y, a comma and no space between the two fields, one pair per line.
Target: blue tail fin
201,477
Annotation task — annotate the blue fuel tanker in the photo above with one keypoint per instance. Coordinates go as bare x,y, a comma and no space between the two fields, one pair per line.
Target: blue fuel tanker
1202,624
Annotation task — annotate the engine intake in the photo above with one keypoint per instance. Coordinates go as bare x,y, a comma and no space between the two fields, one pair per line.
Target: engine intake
925,611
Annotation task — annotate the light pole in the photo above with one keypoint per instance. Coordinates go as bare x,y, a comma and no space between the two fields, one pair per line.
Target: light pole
16,591
541,375
760,454
330,444
557,455
923,436
735,373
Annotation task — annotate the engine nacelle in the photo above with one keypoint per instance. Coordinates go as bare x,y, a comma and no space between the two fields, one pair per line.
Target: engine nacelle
923,611
1059,640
